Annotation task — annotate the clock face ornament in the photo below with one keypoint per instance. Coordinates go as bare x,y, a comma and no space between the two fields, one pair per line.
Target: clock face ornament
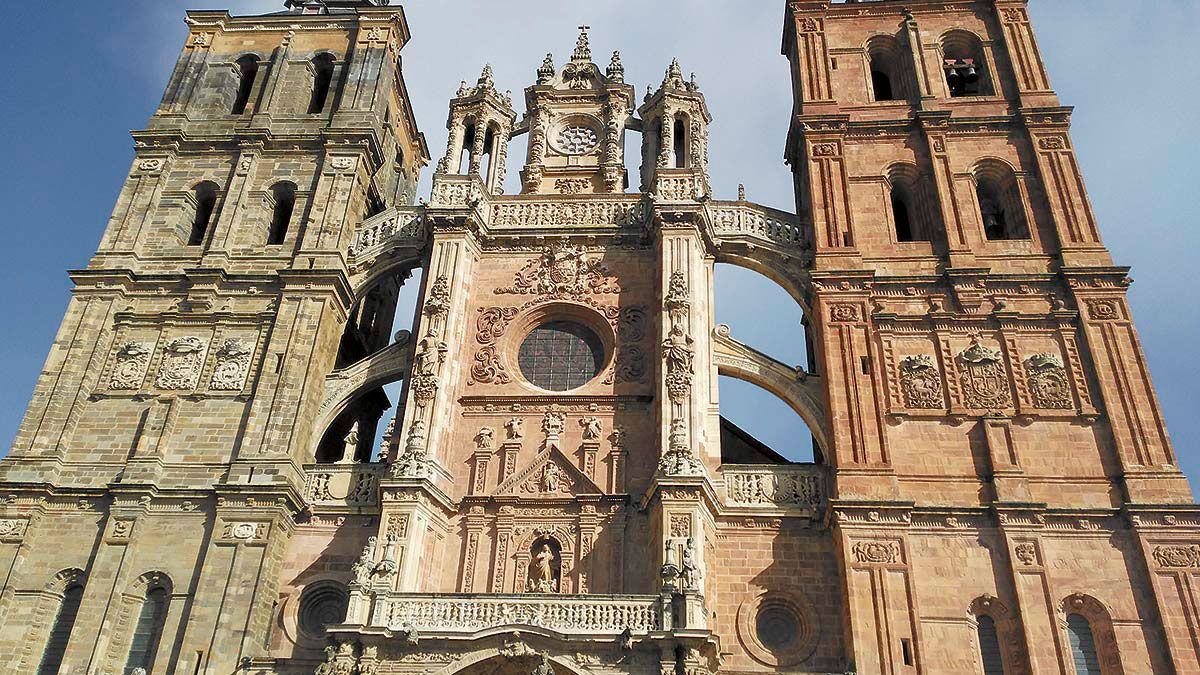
577,139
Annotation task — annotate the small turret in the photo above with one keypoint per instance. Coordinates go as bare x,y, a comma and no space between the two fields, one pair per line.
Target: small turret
480,124
675,137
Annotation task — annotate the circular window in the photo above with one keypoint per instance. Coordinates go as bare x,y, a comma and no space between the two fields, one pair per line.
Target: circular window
561,355
778,627
577,139
321,606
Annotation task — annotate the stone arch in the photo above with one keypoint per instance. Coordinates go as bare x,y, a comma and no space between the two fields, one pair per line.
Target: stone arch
997,180
959,44
1007,628
522,554
521,658
344,386
905,180
803,395
885,56
129,606
775,268
1099,618
45,610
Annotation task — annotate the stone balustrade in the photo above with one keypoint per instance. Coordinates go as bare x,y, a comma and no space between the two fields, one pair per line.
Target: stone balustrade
570,614
342,485
750,221
795,487
582,212
401,226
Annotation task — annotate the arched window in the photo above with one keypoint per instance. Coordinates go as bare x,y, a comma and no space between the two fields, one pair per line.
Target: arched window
322,65
284,196
205,195
468,145
1083,645
1000,206
60,634
902,214
885,64
489,139
679,138
963,64
148,631
989,646
247,68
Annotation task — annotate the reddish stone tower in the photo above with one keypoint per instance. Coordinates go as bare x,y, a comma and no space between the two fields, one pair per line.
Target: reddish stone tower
1004,494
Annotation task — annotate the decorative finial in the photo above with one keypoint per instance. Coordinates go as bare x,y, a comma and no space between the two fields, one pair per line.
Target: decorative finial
741,192
616,71
674,77
649,92
485,78
545,72
462,89
692,86
583,52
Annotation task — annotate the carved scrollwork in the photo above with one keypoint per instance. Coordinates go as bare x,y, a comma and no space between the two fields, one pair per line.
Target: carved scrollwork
562,271
1177,556
490,326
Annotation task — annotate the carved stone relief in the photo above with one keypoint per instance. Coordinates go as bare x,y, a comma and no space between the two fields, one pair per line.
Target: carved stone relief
1177,556
921,382
181,362
1048,383
562,270
983,378
876,552
232,365
129,365
490,326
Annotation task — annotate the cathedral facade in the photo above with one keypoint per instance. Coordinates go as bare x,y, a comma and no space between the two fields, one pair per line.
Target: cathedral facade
202,483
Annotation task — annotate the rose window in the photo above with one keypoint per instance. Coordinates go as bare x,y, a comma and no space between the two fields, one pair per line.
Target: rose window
576,140
560,356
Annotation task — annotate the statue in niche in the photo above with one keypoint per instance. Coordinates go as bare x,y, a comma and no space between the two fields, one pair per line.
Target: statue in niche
543,570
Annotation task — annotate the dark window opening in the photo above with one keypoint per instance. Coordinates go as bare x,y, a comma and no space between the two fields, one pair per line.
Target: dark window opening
882,84
148,631
351,436
561,355
989,647
322,79
680,144
60,633
468,146
902,215
206,202
285,202
247,71
906,651
489,139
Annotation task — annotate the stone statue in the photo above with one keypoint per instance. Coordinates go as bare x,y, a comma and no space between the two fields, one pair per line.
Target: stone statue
552,478
485,439
542,571
591,428
515,428
544,667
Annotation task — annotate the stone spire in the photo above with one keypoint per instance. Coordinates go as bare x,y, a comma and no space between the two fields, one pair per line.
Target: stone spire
545,72
674,76
616,71
485,81
583,52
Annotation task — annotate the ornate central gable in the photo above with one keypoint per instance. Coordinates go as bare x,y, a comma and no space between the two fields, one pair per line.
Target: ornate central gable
551,474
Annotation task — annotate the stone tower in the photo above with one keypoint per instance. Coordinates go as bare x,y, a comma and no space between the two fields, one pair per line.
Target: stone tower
1004,497
151,492
201,485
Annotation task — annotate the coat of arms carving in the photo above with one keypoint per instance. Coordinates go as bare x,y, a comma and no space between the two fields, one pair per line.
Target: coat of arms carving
921,382
983,377
562,270
181,361
1048,382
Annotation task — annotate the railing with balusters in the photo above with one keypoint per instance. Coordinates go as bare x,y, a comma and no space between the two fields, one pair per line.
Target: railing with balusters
741,219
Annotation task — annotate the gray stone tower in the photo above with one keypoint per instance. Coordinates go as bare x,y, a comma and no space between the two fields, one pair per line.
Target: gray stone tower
159,468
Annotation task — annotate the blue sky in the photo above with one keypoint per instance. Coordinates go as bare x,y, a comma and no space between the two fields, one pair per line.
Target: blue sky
84,74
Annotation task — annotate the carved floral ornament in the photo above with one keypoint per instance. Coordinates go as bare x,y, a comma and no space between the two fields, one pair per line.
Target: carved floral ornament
13,527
